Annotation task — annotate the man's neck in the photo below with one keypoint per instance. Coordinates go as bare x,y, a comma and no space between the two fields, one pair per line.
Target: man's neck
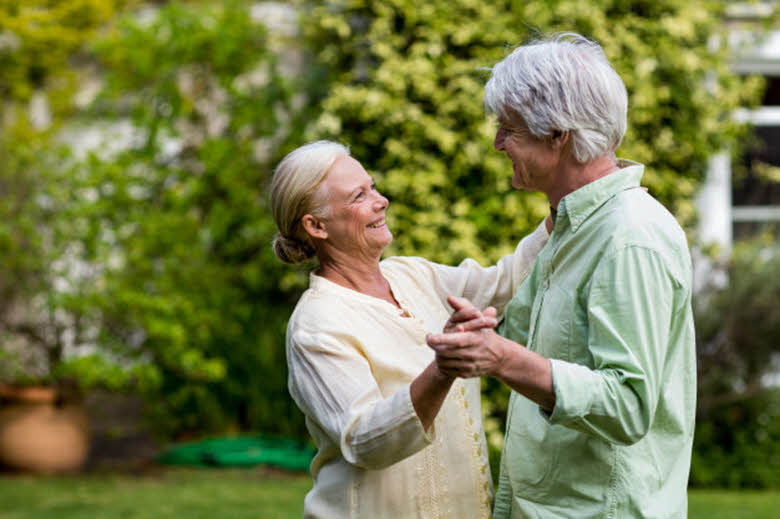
574,176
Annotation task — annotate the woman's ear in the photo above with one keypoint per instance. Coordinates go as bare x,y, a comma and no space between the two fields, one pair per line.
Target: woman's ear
559,138
314,227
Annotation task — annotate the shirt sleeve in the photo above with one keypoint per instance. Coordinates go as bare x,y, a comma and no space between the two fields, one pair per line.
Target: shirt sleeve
333,385
494,285
629,309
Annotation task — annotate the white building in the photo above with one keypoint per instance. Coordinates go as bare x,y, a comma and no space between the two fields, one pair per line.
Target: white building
742,197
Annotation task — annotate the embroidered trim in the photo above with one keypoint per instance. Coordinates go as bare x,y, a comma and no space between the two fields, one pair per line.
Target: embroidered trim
354,492
433,495
478,454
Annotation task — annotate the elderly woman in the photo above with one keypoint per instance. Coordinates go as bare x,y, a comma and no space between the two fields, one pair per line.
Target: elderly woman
395,436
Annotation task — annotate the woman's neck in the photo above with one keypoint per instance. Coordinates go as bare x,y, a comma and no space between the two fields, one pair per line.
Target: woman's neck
363,277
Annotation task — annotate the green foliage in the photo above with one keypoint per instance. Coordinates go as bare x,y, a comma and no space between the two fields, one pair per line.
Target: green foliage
38,39
178,222
737,445
157,255
738,325
408,83
407,97
38,42
737,440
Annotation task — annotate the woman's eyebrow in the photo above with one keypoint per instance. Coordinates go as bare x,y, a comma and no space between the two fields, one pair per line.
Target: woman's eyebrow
354,192
358,188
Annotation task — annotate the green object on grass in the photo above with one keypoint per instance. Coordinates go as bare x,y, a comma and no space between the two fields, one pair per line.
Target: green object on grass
243,451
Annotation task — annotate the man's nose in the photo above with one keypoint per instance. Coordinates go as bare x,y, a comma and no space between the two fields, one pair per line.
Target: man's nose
498,142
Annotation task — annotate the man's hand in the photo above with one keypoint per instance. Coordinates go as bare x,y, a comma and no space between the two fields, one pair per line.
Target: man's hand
468,347
468,354
479,351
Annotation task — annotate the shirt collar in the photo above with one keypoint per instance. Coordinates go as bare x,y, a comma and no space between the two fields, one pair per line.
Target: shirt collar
578,205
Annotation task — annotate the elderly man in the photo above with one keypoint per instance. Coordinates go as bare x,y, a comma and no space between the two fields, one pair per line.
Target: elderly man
598,342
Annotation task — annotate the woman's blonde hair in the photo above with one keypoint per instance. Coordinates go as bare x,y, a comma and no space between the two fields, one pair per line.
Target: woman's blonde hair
294,193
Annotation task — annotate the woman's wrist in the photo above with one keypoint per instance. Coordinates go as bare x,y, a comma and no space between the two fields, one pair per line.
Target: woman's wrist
439,376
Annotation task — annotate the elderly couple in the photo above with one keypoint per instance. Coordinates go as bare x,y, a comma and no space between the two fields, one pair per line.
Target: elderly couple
596,338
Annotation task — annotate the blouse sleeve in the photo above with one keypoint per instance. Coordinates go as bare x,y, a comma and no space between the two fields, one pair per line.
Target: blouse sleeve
494,285
333,385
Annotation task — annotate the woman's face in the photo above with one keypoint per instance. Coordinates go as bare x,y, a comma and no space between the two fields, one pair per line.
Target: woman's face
356,220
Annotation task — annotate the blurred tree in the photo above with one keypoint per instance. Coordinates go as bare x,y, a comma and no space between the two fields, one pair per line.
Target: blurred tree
407,95
737,439
163,238
178,220
738,326
39,43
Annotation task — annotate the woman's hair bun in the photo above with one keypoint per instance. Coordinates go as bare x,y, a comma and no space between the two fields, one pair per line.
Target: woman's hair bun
292,250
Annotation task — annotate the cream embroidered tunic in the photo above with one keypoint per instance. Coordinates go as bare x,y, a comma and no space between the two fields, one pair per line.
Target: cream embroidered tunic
352,358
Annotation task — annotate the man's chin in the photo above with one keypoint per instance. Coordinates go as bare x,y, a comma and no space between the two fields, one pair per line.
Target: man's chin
518,184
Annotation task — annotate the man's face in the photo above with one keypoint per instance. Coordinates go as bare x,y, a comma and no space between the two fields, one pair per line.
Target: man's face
534,161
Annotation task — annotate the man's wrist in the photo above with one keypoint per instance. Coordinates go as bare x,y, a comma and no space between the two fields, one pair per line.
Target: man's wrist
507,350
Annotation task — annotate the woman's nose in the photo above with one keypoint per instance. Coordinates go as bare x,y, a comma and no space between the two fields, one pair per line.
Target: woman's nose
381,202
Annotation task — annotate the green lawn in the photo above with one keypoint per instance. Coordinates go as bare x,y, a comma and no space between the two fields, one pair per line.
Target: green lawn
168,494
256,494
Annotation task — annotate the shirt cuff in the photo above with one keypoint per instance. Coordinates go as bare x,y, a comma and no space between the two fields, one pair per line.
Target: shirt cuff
382,444
574,387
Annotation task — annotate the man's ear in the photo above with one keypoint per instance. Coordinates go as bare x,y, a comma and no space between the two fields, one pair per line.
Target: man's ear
314,226
558,139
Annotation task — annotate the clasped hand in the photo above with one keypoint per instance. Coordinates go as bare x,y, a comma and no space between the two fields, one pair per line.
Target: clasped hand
468,346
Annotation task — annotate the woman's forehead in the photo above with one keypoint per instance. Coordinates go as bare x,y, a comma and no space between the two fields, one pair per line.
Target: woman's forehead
346,174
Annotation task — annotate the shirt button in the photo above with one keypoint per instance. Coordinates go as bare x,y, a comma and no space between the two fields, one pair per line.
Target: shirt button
462,390
476,436
466,404
484,468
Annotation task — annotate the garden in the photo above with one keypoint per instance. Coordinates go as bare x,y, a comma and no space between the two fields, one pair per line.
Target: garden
141,305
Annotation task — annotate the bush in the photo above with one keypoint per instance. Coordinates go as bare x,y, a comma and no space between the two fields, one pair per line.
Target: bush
737,442
176,224
407,83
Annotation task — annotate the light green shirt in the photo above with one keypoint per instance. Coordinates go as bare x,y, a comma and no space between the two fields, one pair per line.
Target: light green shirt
609,302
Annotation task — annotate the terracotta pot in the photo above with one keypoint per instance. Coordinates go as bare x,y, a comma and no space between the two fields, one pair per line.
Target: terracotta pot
38,433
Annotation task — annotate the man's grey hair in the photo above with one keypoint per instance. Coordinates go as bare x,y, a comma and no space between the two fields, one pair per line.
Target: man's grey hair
562,83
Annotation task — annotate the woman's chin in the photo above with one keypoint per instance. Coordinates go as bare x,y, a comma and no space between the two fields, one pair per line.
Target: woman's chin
385,240
388,239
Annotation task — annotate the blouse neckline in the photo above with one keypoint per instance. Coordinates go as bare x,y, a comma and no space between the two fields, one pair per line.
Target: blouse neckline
320,283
